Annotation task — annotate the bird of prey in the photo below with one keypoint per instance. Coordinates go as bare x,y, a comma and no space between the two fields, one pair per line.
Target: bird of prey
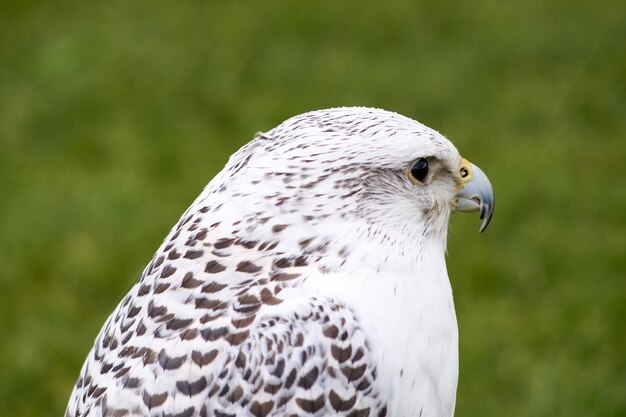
307,279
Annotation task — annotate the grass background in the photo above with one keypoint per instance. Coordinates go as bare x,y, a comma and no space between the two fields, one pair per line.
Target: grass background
114,115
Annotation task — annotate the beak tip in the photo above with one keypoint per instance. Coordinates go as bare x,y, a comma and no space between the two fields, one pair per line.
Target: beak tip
483,226
486,212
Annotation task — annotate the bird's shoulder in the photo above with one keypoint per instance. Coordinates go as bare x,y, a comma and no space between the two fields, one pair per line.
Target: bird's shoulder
219,338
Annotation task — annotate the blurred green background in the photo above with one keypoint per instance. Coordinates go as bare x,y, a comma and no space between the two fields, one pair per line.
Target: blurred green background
114,115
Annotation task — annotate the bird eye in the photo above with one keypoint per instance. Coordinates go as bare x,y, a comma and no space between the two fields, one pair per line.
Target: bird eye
419,171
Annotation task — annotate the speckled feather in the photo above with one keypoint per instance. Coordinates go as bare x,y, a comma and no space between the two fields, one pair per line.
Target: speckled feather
308,278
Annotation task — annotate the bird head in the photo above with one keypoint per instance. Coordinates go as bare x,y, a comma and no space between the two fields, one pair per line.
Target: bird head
356,173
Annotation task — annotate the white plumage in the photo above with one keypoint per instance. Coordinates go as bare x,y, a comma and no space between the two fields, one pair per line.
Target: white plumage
308,278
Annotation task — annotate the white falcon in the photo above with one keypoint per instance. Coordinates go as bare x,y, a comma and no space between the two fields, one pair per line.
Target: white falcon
308,278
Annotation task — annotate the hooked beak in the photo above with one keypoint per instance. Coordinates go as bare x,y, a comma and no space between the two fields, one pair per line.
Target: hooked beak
476,194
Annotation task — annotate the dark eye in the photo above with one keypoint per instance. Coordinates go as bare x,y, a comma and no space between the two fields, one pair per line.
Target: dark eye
419,171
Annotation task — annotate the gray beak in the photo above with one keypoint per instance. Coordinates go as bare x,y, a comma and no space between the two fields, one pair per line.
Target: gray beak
477,195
